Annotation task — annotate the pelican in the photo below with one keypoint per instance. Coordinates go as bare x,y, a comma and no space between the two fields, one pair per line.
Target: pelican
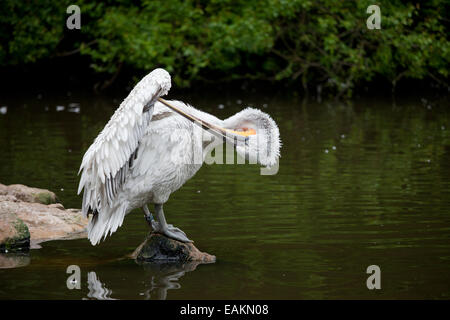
146,150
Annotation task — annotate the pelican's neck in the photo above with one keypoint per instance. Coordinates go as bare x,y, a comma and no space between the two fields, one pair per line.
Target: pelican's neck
204,116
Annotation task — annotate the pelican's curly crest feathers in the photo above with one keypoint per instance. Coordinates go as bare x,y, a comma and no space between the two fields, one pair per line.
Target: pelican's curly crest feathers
268,144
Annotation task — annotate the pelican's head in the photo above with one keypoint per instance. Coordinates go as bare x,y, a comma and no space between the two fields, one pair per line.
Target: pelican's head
253,132
262,143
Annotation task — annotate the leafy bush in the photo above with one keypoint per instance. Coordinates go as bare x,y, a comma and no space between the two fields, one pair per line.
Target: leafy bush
322,43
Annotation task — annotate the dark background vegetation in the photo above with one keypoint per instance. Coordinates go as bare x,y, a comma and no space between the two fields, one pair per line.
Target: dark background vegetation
314,45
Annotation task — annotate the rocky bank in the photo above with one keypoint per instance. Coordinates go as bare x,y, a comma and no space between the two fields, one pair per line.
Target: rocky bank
29,216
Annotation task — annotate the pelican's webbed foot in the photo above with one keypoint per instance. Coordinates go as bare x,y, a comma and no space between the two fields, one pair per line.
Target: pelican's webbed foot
168,230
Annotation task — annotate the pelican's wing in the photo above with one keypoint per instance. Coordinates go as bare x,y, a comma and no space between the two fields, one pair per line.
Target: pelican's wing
107,161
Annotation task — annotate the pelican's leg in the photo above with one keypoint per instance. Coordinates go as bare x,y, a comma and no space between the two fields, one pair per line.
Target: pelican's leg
148,215
151,221
167,229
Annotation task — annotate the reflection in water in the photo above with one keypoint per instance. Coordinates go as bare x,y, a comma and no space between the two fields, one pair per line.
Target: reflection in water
159,278
97,289
14,260
165,276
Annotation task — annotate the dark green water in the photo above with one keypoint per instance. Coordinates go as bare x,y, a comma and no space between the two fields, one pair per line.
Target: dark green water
361,183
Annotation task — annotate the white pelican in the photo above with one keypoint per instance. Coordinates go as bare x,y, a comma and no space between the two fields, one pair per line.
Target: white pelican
145,153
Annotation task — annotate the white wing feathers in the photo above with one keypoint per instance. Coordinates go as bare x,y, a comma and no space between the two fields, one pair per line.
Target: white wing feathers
107,161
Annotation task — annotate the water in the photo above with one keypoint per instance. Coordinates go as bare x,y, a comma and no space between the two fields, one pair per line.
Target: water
360,183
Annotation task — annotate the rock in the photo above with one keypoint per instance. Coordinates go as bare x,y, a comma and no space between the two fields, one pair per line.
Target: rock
158,248
8,197
46,222
14,233
43,218
56,206
28,194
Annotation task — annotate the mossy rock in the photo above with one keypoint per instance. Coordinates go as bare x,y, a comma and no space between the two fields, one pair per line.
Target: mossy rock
22,229
45,198
29,194
19,239
159,248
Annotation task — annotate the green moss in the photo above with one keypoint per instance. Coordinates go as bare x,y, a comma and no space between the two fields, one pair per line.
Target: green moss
44,198
22,229
21,242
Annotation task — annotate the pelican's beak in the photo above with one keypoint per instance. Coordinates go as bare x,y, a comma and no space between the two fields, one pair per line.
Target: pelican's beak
230,136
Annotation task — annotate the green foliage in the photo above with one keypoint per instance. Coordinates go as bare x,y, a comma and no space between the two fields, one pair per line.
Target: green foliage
29,30
312,42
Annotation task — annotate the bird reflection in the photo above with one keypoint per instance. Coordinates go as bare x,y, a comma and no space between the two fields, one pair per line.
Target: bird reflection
165,276
159,278
97,289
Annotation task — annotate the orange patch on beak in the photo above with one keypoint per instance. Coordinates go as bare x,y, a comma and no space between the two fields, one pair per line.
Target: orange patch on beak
245,132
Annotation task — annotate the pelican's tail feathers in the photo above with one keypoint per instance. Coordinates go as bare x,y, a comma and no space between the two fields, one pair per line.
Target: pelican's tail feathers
106,222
